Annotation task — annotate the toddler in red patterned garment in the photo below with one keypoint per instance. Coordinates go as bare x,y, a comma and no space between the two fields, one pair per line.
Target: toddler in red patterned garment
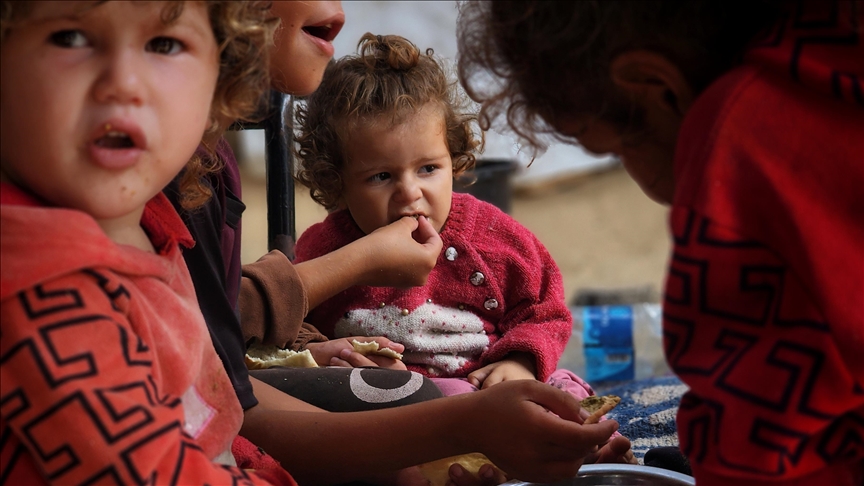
107,371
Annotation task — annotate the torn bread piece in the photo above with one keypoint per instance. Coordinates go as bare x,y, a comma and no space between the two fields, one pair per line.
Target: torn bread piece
438,472
372,347
259,357
599,406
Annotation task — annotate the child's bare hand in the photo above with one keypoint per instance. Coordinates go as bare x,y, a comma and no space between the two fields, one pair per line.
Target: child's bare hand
402,253
340,352
489,476
512,425
517,367
617,450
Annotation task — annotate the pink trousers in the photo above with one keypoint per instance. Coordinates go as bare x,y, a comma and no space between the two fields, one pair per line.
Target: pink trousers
562,379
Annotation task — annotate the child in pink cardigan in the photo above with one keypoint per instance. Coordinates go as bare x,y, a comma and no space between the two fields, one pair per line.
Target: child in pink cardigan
382,139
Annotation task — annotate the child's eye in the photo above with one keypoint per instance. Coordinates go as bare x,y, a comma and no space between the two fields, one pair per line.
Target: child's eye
379,177
164,45
68,38
428,169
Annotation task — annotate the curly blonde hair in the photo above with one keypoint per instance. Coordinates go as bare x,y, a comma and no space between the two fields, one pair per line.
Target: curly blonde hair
244,35
389,77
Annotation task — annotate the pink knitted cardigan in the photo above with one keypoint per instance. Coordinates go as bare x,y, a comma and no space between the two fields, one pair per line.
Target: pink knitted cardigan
494,290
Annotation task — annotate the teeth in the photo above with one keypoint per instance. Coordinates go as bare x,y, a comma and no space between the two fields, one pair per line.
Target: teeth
116,134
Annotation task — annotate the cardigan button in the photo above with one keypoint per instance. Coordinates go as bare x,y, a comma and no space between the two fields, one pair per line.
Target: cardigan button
490,304
450,253
477,278
405,312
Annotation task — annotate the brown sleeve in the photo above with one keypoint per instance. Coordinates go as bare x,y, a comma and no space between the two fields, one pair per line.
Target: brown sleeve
273,304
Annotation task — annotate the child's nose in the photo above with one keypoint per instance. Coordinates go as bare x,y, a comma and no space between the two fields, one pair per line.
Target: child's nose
408,190
120,80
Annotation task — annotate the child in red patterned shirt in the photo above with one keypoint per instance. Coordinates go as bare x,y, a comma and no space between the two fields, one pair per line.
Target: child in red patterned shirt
107,371
748,119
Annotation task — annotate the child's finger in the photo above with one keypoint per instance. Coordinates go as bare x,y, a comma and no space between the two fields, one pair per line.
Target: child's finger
477,377
334,361
384,342
388,363
578,439
616,451
559,403
409,222
425,234
354,359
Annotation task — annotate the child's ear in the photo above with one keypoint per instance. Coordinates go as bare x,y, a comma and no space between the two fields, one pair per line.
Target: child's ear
653,79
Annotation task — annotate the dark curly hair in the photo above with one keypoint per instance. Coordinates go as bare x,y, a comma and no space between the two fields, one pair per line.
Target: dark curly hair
529,62
244,35
389,77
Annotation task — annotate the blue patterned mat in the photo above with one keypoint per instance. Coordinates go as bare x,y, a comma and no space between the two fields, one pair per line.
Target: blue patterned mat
647,411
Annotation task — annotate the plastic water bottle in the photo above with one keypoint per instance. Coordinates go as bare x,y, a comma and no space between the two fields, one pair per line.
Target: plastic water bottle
616,343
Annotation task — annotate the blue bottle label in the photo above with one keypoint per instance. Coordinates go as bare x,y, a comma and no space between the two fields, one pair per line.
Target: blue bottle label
608,342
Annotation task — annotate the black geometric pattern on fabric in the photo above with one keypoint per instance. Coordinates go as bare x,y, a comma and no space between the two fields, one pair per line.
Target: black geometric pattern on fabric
128,454
13,403
774,36
109,475
773,436
751,282
804,20
10,406
19,452
61,457
810,21
118,295
112,413
58,458
702,429
38,303
164,400
844,439
706,236
57,370
681,234
133,417
839,81
130,352
797,365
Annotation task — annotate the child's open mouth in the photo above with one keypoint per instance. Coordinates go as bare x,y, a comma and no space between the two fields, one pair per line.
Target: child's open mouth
115,140
325,32
117,144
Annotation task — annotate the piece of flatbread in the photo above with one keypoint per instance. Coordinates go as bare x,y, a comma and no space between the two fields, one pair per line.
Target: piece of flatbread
599,406
372,347
259,357
438,472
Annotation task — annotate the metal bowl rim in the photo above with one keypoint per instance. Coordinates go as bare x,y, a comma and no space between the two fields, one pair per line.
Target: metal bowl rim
638,470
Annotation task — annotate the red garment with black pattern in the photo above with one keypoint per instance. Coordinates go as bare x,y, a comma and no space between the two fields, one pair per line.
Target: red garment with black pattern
764,304
107,371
